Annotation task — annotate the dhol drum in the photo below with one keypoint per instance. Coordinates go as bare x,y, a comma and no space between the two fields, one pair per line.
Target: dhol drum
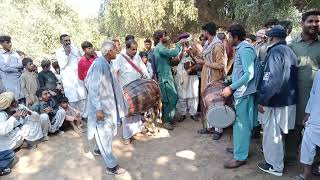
217,110
141,95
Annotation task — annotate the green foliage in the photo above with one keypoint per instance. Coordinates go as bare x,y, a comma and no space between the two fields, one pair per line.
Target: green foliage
143,17
35,25
254,13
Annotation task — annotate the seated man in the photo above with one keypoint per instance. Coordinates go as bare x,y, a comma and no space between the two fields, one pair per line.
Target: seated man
7,161
72,115
18,124
49,111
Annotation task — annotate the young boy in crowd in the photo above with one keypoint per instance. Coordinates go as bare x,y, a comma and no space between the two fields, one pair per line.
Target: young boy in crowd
56,72
86,60
49,109
311,136
144,57
29,82
72,115
47,79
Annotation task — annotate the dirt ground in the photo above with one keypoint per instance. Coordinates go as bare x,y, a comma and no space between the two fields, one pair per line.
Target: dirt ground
181,154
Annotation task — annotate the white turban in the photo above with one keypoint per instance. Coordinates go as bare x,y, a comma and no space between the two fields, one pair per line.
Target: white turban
6,99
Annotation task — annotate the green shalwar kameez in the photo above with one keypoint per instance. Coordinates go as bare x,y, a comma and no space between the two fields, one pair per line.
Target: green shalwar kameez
308,54
169,95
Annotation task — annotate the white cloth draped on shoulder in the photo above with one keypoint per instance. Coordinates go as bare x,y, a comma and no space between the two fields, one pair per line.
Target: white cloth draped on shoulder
127,74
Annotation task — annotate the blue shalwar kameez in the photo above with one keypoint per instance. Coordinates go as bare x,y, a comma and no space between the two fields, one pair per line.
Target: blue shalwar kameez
244,80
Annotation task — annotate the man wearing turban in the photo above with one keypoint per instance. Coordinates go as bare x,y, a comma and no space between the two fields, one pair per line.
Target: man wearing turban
17,123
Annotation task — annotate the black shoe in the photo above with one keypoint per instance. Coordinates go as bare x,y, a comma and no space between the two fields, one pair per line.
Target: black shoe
268,168
116,170
96,152
216,136
168,126
182,118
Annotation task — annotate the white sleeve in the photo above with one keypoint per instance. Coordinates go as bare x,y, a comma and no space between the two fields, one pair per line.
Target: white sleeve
7,125
150,69
61,58
315,88
116,64
143,67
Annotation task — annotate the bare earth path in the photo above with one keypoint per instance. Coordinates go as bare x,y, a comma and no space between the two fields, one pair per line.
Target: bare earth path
181,154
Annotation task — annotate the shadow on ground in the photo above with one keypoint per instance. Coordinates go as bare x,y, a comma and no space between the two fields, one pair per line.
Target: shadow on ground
181,154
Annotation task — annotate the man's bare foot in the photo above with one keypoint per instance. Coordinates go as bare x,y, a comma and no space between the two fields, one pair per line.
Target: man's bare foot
139,134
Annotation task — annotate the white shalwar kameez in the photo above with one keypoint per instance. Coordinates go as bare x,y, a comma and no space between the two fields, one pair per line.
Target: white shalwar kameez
311,136
187,88
104,94
126,74
10,72
74,88
13,131
276,121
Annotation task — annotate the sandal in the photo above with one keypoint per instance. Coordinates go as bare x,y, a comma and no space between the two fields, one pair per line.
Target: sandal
195,118
168,126
204,131
216,136
299,177
5,172
116,170
182,118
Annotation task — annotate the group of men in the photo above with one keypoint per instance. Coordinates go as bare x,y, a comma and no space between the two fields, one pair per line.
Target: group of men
271,76
275,78
271,82
33,104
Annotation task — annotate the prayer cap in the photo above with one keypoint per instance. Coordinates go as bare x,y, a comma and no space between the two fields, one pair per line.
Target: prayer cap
64,33
277,31
184,35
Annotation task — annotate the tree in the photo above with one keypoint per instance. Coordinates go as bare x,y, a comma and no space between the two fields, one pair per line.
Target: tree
252,13
143,17
35,25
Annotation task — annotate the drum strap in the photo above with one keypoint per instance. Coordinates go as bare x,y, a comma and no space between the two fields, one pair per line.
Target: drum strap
133,65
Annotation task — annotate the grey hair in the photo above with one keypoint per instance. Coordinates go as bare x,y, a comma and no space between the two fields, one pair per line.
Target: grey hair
106,46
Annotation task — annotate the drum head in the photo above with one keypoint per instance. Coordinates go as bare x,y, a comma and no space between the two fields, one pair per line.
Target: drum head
220,116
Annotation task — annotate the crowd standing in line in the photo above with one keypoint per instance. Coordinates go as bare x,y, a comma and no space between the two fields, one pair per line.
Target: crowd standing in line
273,79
